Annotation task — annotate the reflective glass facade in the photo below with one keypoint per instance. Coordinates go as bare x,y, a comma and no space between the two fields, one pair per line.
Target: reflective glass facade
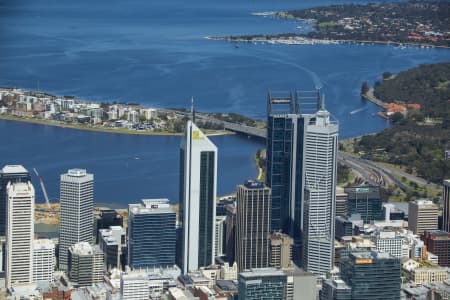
372,275
366,201
151,239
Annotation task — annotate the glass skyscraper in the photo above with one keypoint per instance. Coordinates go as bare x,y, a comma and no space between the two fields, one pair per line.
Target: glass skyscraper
198,188
302,141
151,234
366,201
371,275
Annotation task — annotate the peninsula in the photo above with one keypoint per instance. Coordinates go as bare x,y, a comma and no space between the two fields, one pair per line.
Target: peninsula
417,103
124,118
403,23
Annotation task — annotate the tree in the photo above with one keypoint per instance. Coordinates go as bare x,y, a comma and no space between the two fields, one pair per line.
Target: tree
364,88
387,75
396,117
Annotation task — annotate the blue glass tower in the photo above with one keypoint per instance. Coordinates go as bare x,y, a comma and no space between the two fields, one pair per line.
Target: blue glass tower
371,275
151,234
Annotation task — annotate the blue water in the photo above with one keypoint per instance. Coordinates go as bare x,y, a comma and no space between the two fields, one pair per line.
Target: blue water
126,168
154,52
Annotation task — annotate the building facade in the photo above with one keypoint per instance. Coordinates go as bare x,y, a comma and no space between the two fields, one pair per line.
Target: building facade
198,190
281,250
422,216
85,264
341,202
107,218
13,174
320,167
19,233
372,275
366,201
253,226
151,234
438,243
230,243
446,212
43,260
219,249
112,241
266,283
77,221
134,286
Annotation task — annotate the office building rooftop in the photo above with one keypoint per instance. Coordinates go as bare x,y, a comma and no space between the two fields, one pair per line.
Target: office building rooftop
152,206
13,169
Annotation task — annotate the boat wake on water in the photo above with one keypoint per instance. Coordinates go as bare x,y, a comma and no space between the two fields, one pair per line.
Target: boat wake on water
358,110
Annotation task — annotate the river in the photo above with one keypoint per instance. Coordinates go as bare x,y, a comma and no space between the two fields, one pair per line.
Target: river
155,53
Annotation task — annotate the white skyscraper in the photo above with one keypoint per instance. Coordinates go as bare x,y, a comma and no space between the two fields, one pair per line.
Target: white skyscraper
19,234
77,221
198,184
319,167
43,260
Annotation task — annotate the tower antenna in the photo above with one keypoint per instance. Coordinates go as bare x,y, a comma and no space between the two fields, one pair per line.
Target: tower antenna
192,109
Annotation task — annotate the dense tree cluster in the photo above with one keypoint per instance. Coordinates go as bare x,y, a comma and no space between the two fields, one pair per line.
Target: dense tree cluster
428,85
418,148
412,142
235,118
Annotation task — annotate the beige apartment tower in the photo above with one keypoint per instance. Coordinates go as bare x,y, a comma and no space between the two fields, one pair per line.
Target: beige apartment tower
422,216
281,251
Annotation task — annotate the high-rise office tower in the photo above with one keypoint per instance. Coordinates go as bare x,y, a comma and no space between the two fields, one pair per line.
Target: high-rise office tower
85,264
301,171
366,201
319,168
371,275
446,212
198,184
43,260
19,233
151,234
253,226
285,130
422,216
77,221
13,174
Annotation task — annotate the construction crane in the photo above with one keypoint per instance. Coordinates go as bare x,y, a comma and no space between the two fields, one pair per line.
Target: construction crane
42,187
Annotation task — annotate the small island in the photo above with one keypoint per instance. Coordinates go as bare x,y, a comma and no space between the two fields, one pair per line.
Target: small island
404,23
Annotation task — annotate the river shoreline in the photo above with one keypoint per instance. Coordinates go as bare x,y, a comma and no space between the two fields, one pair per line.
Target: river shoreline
303,40
103,129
